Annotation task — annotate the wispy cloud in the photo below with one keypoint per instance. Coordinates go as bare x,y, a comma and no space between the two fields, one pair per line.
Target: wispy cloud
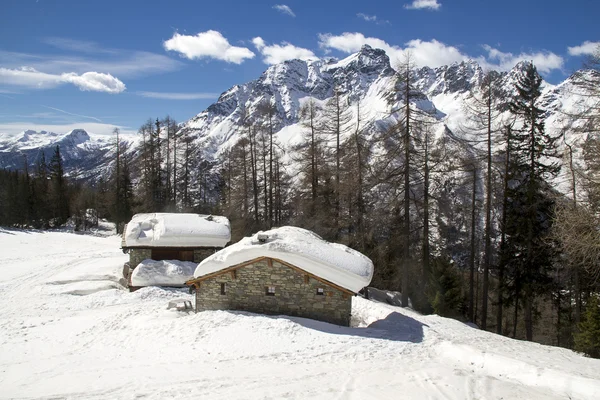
282,8
373,18
178,96
276,53
88,81
587,48
209,44
423,4
73,114
6,93
76,45
117,62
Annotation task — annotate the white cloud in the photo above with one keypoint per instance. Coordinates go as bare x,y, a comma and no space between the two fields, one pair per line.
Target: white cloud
352,42
423,4
544,61
95,82
372,18
89,81
284,9
276,53
209,44
423,53
434,53
13,128
30,77
585,49
178,96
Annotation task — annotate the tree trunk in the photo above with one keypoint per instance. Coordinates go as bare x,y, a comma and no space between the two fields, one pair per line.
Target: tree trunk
426,251
253,167
516,315
488,215
406,260
529,314
502,263
270,222
472,257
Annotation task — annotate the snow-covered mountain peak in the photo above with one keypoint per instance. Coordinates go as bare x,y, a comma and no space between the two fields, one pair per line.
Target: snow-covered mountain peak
31,135
77,136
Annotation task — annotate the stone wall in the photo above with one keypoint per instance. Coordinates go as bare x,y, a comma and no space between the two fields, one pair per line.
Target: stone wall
201,254
246,291
136,256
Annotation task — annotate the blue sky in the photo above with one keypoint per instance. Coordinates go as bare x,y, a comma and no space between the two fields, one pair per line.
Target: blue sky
100,64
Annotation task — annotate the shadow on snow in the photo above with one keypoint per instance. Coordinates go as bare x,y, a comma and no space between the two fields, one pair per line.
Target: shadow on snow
394,327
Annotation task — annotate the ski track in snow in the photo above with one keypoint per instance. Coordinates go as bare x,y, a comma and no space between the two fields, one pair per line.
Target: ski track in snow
69,330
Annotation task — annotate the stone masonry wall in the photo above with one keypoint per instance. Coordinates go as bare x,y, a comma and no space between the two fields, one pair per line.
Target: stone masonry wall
247,292
201,254
136,256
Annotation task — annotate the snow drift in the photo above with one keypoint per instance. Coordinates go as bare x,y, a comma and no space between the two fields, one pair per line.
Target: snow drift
162,273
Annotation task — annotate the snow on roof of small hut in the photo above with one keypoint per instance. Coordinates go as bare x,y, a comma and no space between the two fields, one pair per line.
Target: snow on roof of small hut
177,230
304,249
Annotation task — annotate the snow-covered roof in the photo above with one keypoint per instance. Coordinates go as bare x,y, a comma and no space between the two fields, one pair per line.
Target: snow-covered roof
177,230
304,249
162,273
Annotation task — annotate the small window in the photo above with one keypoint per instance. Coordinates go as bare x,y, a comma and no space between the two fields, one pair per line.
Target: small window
320,291
270,291
223,288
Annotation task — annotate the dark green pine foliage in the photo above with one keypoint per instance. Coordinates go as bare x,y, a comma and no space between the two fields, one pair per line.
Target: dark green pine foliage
60,199
446,294
588,338
123,205
530,203
44,210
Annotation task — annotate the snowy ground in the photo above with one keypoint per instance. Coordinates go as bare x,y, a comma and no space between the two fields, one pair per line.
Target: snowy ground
69,330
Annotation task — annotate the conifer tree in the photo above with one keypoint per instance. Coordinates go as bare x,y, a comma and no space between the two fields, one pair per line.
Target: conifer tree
59,196
587,340
529,214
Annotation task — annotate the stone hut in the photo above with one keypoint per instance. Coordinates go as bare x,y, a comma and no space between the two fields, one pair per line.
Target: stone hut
186,239
286,270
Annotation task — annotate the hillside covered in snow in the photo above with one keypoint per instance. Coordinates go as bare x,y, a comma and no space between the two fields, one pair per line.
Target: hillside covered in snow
69,329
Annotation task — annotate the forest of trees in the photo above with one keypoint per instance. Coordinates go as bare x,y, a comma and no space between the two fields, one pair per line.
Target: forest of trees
469,229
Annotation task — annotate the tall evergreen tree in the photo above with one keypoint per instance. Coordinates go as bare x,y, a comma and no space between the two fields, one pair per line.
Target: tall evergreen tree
60,197
587,340
530,207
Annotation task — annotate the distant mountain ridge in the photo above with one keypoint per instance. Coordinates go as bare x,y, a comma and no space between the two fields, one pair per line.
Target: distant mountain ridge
84,156
366,76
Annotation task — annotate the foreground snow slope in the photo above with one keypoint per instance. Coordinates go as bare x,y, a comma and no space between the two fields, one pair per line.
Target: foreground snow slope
69,330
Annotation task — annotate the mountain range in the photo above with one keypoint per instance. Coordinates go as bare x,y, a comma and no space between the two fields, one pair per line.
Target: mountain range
366,77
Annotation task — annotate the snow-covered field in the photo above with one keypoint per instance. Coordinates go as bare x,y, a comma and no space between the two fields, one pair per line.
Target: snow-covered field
68,329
